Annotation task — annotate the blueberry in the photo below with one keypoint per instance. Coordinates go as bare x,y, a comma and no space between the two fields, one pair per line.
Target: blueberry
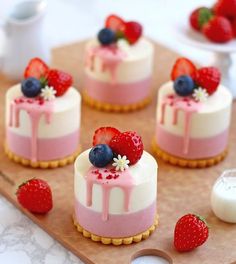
100,155
106,36
184,85
31,87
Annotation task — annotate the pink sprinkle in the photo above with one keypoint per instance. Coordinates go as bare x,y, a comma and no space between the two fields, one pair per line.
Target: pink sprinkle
116,176
21,100
113,170
109,177
41,102
17,101
186,99
171,96
99,177
30,101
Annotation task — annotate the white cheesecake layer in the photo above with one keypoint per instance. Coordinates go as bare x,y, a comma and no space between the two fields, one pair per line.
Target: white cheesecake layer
143,194
136,66
65,118
212,118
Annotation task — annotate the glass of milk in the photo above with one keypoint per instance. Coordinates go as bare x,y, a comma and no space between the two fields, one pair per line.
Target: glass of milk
223,196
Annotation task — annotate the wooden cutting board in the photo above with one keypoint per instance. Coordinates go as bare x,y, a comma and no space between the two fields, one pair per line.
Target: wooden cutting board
179,190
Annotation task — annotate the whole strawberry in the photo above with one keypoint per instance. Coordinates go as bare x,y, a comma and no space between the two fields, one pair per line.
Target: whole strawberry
128,144
218,29
133,31
59,80
226,8
191,231
199,17
208,78
234,26
35,195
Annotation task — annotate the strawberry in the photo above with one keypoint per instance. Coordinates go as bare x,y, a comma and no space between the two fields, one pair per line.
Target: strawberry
199,17
115,23
183,66
208,78
191,231
129,144
233,23
133,31
59,80
225,8
35,195
218,29
36,68
103,135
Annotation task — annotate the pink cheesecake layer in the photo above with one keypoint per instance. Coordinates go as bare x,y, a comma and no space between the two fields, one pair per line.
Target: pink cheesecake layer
47,148
120,225
118,93
198,147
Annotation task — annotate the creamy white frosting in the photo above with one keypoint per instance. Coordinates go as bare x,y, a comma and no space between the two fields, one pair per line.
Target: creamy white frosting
212,118
143,194
65,118
136,66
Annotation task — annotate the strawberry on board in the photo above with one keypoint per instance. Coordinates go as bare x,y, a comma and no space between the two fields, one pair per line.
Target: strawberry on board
183,66
103,135
191,231
35,195
59,80
128,144
36,68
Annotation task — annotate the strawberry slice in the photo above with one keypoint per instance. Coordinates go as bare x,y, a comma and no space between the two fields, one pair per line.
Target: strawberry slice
103,135
115,23
36,68
183,66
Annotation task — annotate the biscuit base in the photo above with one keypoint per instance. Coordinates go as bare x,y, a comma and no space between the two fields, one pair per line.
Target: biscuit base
102,106
188,163
51,164
117,241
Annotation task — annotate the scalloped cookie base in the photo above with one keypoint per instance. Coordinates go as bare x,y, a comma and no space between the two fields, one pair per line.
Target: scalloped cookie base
102,106
52,164
197,163
117,241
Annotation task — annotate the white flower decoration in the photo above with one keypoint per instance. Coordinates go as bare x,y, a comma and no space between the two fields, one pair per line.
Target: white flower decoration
121,163
123,45
48,93
200,94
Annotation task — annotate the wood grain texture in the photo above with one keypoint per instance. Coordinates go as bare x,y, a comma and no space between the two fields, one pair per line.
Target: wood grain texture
179,190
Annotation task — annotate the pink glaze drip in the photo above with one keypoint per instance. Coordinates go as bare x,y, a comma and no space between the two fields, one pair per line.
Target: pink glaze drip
109,178
188,105
110,57
35,108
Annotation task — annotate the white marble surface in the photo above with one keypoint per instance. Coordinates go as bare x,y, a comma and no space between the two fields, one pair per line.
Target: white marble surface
21,241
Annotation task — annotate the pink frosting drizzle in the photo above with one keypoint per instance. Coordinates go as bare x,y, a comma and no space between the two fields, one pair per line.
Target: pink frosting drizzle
110,57
35,108
109,178
188,105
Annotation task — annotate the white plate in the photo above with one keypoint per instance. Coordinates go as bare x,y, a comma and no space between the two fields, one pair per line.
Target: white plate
186,34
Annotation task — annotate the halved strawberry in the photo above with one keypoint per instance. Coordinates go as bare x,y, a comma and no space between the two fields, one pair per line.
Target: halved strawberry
103,135
36,68
183,66
115,23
